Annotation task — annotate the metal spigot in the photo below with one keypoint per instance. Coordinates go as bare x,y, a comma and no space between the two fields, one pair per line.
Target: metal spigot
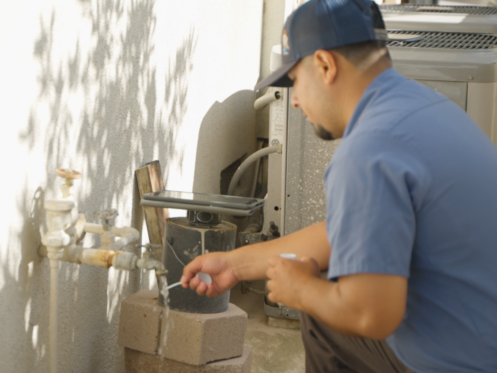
106,216
147,260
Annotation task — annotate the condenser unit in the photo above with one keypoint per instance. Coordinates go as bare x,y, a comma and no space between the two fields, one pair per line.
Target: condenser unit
462,66
479,19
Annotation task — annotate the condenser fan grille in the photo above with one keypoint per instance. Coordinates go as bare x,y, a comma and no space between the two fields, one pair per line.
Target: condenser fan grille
416,8
442,40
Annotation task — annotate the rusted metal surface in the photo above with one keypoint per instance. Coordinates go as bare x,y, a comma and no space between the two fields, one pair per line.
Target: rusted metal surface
77,254
97,257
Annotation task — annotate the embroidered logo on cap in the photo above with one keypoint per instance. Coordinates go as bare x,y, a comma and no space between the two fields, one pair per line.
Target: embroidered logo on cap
284,41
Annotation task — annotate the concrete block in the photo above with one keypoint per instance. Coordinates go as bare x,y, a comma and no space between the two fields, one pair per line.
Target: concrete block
198,339
140,320
139,362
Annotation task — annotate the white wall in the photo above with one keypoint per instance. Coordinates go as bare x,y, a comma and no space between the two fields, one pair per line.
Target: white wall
102,86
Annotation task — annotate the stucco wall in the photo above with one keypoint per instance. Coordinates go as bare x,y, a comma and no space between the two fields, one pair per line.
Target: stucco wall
103,86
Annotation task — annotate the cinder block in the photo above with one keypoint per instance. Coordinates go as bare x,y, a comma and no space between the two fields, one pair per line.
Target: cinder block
198,339
140,320
139,362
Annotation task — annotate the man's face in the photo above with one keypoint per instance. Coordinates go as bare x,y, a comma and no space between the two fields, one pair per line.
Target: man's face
309,94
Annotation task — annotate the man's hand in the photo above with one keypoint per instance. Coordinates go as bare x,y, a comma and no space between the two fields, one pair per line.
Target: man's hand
288,278
218,266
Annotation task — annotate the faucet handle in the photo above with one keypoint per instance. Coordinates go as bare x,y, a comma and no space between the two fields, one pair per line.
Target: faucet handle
67,173
148,247
106,216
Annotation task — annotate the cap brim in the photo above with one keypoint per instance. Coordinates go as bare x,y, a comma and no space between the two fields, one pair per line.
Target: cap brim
278,78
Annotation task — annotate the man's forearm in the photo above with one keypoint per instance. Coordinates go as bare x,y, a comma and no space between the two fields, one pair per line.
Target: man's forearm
250,262
365,305
321,299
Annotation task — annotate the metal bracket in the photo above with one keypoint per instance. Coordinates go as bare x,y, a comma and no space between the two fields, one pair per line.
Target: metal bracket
282,312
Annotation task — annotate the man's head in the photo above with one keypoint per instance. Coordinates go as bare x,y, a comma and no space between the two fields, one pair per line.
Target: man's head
328,84
331,51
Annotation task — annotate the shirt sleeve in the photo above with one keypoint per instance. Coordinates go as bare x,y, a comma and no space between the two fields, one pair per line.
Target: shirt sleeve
370,217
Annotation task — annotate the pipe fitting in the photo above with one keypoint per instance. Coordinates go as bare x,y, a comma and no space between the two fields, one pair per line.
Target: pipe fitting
265,100
125,261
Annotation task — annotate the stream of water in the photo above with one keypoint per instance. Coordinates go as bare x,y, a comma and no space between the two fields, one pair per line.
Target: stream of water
167,323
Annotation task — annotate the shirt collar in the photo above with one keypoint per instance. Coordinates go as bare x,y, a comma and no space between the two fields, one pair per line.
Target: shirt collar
382,82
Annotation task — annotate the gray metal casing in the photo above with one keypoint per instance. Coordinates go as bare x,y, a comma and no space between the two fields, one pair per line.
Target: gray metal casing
405,19
467,77
307,159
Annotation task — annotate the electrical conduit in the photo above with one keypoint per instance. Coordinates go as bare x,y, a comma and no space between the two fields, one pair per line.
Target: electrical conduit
248,162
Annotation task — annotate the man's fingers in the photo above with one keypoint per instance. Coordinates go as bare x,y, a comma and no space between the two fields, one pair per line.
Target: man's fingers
194,283
202,288
189,272
212,292
271,296
270,272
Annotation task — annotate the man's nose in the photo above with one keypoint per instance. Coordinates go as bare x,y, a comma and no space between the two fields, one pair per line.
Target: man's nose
294,100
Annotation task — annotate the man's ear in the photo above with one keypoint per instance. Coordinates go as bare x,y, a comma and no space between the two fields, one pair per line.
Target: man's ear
326,64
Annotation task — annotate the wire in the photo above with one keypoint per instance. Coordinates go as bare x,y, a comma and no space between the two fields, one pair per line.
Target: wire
174,252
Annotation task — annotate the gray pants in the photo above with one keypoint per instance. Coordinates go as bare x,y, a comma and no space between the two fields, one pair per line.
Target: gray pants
329,351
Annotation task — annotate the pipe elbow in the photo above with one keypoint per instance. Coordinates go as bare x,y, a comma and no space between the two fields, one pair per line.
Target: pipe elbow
125,261
265,100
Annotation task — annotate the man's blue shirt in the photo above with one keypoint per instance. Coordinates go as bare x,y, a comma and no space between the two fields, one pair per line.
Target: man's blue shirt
412,191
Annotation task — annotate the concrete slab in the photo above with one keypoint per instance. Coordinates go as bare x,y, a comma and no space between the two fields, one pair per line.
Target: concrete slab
140,320
276,350
283,323
139,362
198,339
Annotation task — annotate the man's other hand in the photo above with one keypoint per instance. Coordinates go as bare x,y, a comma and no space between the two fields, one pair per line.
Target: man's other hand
287,278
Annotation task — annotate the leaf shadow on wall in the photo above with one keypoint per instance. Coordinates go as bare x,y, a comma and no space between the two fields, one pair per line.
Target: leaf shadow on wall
100,112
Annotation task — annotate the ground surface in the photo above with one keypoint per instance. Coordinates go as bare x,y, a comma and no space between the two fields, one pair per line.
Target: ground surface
276,350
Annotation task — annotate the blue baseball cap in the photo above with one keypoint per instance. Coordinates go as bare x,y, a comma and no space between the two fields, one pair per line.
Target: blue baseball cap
324,24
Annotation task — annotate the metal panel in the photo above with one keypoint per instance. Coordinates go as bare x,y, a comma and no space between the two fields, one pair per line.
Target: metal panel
446,64
481,107
307,159
445,40
416,8
275,202
454,91
441,22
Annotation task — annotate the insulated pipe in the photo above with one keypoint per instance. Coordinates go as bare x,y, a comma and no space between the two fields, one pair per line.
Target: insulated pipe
52,329
246,164
58,218
265,100
104,258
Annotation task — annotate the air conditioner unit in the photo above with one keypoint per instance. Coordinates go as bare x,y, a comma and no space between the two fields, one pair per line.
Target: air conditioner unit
462,66
480,19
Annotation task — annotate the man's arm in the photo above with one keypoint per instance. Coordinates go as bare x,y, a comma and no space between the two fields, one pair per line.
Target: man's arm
251,262
365,305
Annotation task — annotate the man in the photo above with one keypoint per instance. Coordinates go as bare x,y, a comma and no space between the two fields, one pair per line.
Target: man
410,237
